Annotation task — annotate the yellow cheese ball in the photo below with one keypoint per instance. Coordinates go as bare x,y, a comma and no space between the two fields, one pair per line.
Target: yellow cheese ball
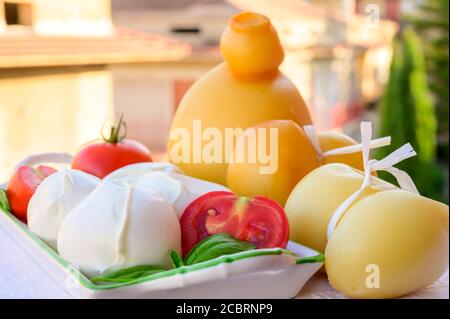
332,140
388,245
296,158
315,198
245,90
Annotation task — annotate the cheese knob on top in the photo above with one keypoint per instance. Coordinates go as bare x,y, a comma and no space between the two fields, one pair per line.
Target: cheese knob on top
388,244
316,197
119,225
251,47
53,200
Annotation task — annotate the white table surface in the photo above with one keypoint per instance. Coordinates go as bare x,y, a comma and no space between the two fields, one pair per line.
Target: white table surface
22,277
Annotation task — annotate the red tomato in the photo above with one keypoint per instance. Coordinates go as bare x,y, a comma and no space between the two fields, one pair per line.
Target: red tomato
22,186
258,220
100,159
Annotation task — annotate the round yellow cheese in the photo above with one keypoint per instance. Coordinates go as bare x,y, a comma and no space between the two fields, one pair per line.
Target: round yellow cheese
388,244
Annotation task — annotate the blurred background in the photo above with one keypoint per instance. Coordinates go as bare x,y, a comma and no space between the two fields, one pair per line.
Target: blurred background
68,66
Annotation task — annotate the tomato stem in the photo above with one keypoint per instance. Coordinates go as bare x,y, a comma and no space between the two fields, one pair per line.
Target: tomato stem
114,135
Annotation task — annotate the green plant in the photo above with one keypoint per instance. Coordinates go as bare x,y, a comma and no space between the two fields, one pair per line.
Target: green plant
432,23
408,114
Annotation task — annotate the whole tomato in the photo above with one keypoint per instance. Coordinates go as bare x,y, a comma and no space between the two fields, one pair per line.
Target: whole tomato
102,158
258,220
22,186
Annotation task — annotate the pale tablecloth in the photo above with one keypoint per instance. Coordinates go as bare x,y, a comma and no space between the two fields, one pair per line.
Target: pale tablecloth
22,277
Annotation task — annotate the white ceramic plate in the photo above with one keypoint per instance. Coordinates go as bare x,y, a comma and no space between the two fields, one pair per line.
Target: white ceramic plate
262,273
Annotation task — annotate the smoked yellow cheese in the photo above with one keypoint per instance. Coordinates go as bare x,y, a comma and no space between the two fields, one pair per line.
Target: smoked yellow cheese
245,90
333,140
292,159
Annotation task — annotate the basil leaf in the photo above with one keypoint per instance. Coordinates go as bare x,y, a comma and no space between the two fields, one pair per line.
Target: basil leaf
129,274
4,202
215,246
177,261
309,260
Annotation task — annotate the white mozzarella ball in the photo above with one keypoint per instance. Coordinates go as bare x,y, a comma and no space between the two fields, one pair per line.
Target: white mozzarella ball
132,171
119,225
180,190
54,198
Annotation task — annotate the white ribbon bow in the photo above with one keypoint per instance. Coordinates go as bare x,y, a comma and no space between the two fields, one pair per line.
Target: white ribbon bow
386,164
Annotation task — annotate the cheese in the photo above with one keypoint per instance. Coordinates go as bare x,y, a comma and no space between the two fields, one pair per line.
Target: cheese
179,190
119,225
287,160
54,198
380,241
315,198
245,90
332,140
387,245
167,179
135,170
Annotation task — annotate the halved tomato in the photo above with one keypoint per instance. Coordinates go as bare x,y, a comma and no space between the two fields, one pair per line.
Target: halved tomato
258,220
22,186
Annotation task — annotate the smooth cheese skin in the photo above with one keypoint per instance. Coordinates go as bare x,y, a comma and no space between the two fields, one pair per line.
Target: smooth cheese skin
316,197
55,198
179,190
290,162
119,225
404,234
167,179
245,90
332,140
138,169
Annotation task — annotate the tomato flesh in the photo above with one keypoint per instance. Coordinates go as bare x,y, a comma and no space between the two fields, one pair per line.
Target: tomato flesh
258,220
22,186
100,159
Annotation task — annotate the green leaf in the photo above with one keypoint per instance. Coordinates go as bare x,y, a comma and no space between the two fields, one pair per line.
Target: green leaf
177,261
129,274
215,246
4,203
310,260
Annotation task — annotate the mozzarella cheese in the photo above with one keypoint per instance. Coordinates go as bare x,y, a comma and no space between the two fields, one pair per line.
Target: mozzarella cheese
135,170
119,225
54,198
178,189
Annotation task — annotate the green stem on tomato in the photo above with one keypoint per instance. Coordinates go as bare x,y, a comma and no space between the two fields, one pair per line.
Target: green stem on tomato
114,135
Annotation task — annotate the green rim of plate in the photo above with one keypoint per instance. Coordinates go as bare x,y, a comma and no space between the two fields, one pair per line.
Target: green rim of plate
85,282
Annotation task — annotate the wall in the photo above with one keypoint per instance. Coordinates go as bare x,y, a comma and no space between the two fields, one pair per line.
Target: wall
146,94
50,110
69,17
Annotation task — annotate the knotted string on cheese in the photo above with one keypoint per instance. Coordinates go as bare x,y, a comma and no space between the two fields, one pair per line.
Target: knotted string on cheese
310,132
386,164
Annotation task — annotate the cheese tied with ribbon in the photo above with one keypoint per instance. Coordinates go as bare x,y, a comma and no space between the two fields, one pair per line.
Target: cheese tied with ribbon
299,151
309,214
390,243
335,147
383,241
